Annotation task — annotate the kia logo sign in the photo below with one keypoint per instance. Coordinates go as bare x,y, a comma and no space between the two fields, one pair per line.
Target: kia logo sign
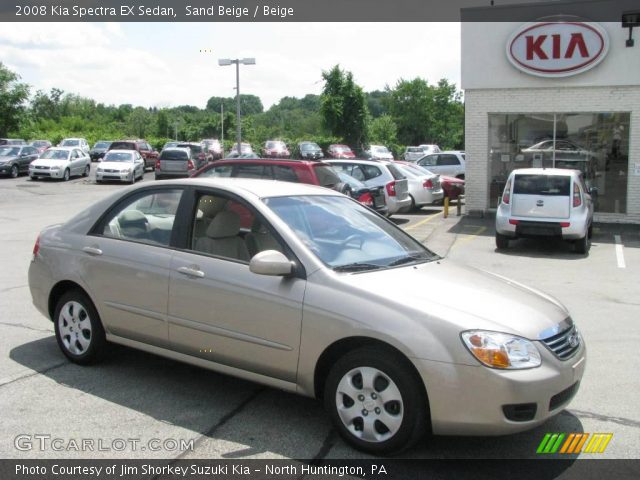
557,49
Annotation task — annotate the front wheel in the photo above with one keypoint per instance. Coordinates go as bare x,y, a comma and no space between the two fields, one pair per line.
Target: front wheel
66,175
78,328
375,401
14,171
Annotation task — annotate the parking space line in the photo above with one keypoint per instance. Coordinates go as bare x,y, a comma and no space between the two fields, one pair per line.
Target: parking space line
619,252
422,222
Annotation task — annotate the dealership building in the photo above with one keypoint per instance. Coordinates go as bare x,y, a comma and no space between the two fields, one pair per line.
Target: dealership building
560,90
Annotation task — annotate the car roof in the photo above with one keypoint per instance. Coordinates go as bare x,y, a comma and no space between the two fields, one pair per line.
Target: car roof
545,171
180,149
129,152
258,187
266,161
63,148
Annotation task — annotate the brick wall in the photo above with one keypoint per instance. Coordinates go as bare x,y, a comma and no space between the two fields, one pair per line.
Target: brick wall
480,103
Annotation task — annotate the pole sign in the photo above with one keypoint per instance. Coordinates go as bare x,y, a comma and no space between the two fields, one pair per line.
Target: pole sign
557,49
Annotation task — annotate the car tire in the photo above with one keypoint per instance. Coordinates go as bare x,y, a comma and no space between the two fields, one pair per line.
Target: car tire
78,328
133,178
14,171
33,178
87,171
382,384
98,181
582,245
590,231
66,176
502,241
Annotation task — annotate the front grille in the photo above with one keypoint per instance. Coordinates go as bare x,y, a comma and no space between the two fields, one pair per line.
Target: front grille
563,397
111,170
40,167
565,344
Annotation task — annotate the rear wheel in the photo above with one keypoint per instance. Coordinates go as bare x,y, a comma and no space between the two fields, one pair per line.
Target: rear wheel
87,171
502,241
78,328
375,401
582,245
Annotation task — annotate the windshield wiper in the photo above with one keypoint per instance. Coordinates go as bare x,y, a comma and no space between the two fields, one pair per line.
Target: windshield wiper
412,258
356,267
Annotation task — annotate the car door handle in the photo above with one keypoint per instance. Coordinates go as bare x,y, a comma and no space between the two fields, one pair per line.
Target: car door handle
192,271
92,250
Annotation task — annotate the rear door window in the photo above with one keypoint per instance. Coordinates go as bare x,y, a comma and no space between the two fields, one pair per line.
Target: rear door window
549,185
371,171
448,160
253,171
284,173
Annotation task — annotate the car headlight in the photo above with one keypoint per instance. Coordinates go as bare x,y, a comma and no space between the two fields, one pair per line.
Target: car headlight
126,170
99,170
501,350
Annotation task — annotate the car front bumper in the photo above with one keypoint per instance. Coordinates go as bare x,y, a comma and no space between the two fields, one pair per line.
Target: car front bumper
475,400
113,176
37,173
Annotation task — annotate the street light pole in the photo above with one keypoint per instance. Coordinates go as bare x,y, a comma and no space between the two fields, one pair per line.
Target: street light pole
222,126
245,61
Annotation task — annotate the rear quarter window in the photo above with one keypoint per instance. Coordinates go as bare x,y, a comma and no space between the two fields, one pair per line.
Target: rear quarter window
550,185
397,174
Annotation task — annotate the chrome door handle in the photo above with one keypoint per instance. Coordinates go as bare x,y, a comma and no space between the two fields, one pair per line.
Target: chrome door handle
92,250
191,271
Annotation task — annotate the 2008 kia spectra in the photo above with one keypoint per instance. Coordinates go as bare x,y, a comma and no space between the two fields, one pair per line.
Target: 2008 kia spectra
304,289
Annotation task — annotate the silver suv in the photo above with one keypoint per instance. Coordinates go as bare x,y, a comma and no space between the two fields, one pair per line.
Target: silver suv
545,202
374,173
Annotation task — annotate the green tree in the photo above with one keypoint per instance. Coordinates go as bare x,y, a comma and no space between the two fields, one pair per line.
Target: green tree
249,104
343,107
162,124
13,95
138,122
383,130
411,106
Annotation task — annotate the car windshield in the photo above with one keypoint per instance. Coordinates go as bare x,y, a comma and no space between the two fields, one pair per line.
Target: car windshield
40,143
9,151
118,157
70,143
341,148
533,184
123,146
55,154
381,150
309,146
102,145
409,172
174,155
346,236
170,144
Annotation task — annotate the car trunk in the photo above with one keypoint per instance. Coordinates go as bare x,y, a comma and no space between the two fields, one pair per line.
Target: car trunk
541,196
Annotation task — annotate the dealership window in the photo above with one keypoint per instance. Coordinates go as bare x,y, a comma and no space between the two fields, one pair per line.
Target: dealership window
595,143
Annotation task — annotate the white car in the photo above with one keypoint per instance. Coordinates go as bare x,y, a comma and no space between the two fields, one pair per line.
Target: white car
375,173
60,162
544,202
121,166
80,143
424,187
379,152
451,163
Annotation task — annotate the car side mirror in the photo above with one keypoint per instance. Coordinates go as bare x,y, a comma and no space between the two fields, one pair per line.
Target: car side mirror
271,262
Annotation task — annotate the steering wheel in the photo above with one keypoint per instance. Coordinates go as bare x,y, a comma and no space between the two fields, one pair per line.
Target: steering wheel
353,241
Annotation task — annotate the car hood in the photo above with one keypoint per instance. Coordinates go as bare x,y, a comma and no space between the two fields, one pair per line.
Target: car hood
47,162
116,165
442,288
8,158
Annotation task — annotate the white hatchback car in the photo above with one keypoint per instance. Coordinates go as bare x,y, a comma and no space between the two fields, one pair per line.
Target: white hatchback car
545,202
80,143
375,173
451,163
60,162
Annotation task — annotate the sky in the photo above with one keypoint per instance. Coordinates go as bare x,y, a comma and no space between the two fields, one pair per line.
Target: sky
170,64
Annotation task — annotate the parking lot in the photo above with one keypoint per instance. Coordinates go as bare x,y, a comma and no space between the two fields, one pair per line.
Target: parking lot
141,397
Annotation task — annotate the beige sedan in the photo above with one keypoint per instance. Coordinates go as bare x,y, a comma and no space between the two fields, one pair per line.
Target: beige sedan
304,289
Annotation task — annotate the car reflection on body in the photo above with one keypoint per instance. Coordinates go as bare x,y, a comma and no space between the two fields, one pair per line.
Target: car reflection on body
221,272
121,166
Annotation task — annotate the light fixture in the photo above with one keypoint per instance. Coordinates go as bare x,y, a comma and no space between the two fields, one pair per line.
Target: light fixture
630,20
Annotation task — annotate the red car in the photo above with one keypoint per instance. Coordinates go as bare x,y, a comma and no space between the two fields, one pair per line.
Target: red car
299,171
453,187
340,151
275,149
